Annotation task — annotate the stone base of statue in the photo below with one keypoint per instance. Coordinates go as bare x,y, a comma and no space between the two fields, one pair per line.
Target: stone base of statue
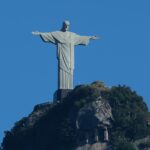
60,94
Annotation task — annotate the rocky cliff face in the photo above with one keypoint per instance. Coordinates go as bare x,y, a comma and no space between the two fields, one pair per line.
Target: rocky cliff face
91,117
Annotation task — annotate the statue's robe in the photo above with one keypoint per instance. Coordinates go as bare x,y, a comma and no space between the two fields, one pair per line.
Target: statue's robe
65,42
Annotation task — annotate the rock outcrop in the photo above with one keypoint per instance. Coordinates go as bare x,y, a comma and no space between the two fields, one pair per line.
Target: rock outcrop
91,117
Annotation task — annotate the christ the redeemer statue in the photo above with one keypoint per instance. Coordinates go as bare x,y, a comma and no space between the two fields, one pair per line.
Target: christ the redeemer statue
65,41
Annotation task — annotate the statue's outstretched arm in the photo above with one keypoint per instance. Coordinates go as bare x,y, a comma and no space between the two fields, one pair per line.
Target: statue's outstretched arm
94,37
36,33
45,36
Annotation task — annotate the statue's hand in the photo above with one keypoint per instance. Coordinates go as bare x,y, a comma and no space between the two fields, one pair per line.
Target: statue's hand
95,37
36,33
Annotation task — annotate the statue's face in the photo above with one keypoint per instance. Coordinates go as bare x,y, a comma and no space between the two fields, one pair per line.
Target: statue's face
66,26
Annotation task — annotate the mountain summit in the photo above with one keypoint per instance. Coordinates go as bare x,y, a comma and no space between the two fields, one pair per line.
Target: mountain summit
90,117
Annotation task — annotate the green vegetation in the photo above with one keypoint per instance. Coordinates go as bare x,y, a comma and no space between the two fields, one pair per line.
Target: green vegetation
55,128
129,112
145,145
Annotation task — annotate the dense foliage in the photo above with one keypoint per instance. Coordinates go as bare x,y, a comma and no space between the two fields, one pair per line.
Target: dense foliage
55,130
129,111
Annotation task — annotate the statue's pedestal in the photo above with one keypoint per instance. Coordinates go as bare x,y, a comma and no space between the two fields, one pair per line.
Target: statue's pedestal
60,94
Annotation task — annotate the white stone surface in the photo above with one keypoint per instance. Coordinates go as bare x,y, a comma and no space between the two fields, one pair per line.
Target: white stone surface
65,41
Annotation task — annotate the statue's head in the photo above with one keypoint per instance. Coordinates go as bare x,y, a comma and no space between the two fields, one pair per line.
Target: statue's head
66,25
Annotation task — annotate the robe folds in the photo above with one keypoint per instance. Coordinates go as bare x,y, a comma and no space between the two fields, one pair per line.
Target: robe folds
65,42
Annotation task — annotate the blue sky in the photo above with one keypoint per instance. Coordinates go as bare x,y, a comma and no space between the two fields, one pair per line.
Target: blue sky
28,67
